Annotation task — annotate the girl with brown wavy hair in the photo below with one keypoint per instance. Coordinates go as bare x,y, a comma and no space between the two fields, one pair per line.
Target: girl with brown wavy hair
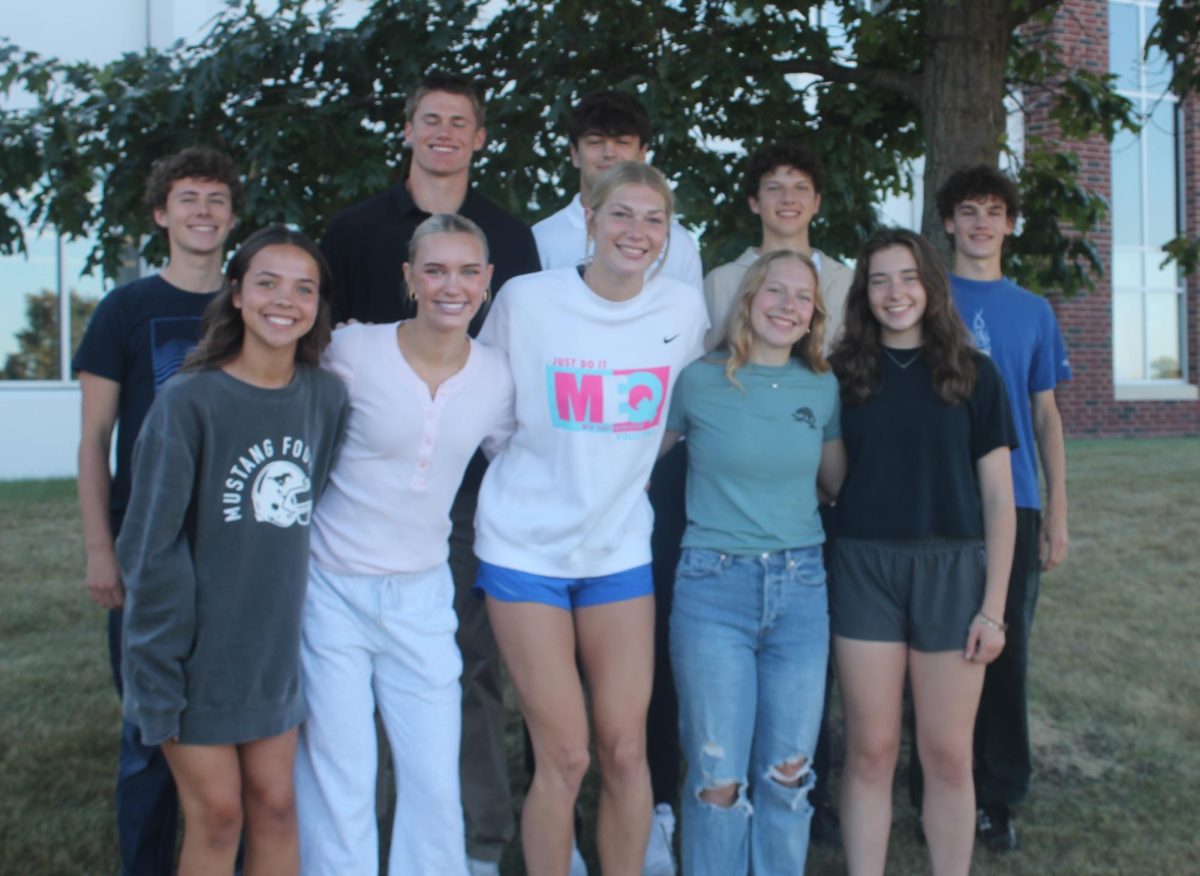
228,466
925,525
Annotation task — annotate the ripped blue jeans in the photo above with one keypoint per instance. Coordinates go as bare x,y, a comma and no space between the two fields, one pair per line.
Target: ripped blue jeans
749,644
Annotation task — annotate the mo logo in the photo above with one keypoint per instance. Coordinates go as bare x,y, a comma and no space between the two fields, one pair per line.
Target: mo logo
592,400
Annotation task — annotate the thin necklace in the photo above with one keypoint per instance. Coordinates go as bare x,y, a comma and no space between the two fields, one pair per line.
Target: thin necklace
902,365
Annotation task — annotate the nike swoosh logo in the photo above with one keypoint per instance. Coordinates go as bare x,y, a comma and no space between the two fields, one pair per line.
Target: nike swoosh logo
668,340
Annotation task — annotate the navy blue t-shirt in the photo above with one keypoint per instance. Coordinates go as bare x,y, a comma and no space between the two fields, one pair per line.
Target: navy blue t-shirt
138,337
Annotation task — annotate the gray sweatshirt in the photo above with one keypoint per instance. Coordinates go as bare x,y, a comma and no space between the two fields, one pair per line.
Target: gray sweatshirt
214,553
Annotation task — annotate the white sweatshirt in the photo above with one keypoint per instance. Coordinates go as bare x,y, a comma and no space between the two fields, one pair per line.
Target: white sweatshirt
593,377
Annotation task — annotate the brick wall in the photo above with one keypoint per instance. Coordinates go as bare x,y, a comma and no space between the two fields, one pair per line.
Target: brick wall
1080,29
1191,171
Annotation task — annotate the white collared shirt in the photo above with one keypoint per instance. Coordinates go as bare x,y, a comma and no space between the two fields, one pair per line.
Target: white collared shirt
562,242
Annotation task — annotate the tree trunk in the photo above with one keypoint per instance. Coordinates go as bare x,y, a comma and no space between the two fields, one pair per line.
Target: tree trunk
962,93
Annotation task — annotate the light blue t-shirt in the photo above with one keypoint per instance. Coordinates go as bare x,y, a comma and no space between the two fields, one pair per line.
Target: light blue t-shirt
1018,330
753,453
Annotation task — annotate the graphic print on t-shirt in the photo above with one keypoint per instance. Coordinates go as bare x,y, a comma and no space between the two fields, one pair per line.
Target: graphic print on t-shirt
282,494
171,339
979,333
585,396
280,489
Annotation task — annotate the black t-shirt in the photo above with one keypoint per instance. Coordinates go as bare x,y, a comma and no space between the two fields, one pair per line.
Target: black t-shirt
367,245
138,337
911,457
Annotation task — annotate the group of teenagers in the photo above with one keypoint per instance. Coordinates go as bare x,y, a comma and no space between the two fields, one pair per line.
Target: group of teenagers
663,501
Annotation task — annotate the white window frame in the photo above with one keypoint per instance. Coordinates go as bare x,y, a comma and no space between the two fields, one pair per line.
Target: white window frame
1145,100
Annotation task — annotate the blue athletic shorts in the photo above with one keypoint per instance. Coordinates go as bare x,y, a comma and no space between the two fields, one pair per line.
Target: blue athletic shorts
511,585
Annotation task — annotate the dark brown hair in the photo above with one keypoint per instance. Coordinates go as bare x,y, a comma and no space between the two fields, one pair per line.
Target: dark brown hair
977,183
197,162
221,338
450,83
788,153
611,113
944,344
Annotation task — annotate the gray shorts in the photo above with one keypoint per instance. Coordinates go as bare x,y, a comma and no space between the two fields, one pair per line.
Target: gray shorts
923,593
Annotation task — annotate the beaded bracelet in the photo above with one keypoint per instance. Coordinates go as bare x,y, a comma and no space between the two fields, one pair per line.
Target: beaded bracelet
991,622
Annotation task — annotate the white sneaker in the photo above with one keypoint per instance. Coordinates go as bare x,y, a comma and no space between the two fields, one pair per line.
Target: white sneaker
476,867
660,852
578,865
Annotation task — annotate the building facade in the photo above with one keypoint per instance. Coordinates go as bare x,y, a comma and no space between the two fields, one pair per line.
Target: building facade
44,298
1134,341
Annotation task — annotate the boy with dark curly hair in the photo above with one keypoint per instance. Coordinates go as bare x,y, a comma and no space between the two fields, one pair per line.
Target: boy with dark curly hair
136,340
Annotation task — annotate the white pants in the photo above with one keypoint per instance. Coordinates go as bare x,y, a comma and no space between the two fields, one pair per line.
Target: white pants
387,643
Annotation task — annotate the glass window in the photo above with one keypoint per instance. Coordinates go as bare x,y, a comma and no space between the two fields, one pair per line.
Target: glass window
1124,48
29,318
33,290
1128,352
1162,336
1127,189
1148,300
1157,66
1159,136
1127,269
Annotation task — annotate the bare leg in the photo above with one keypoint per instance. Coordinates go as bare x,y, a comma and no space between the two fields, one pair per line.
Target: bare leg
872,680
537,643
269,801
616,644
946,689
210,788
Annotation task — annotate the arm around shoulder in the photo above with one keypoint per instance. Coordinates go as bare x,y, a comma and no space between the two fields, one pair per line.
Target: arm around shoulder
504,421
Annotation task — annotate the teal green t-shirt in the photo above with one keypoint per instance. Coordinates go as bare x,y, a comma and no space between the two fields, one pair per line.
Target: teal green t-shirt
753,453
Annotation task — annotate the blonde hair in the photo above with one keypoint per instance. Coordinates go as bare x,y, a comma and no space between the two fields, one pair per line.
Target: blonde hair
632,173
740,335
445,223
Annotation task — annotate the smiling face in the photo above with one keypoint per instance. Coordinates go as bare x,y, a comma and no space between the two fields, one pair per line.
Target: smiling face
979,228
787,201
278,297
629,229
198,216
449,278
443,133
597,152
781,311
897,296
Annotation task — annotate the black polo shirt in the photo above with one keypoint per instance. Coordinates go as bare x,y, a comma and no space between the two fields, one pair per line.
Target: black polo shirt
367,245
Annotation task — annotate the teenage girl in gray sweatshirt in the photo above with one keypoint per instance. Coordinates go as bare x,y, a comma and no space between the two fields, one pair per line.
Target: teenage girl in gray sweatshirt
214,553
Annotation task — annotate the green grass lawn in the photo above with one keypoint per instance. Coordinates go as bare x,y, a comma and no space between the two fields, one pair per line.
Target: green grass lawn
1115,690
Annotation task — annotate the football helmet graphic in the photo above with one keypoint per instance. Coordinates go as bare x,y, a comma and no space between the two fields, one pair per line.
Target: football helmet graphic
282,494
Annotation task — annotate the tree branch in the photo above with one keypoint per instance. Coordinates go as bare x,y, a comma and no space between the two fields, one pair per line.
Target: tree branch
1020,13
907,85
